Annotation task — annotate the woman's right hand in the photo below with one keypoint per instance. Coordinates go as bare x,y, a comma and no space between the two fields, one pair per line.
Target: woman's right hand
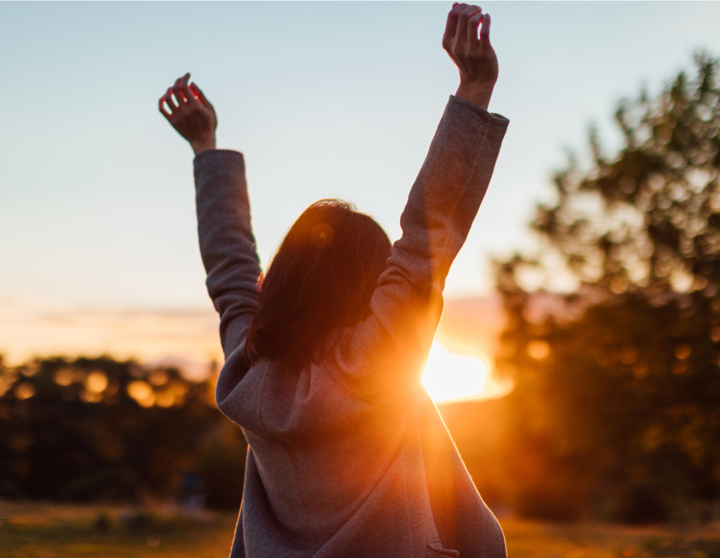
475,58
190,113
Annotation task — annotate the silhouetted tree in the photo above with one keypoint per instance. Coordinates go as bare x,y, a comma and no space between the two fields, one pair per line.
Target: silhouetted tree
615,410
99,429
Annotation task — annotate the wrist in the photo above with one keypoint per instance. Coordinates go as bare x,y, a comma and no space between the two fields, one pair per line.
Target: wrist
203,145
476,93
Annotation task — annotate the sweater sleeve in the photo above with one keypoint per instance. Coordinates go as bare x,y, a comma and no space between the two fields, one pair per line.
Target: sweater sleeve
227,245
385,354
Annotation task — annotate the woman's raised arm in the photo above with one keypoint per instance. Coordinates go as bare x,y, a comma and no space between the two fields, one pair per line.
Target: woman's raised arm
227,245
384,355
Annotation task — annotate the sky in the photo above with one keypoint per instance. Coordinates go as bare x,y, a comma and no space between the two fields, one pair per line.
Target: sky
326,99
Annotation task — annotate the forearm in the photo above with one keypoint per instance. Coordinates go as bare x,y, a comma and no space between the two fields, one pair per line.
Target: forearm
227,245
449,189
388,349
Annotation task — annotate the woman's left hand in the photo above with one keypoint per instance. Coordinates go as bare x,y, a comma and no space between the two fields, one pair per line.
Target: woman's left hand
190,113
475,58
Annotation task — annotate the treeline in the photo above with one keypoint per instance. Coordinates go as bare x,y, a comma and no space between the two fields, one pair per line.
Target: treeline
98,429
616,407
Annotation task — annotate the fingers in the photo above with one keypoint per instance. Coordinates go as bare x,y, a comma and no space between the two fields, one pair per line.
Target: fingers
169,101
462,25
187,109
176,90
452,20
176,97
185,90
472,27
463,33
200,95
161,106
485,30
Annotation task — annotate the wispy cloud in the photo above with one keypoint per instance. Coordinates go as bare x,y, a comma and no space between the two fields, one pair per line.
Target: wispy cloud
190,336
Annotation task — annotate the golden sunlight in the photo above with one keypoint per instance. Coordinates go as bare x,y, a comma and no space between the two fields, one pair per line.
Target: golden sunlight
449,376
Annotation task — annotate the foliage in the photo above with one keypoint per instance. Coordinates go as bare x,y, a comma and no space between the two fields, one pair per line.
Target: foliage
98,429
615,408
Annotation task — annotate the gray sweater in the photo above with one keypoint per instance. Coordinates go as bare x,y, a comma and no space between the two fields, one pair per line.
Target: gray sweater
349,457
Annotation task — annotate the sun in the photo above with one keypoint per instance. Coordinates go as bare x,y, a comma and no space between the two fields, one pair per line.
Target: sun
449,376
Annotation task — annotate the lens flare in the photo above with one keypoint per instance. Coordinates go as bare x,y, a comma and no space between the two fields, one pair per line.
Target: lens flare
450,376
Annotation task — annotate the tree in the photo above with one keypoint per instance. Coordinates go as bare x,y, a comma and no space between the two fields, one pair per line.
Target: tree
100,429
615,409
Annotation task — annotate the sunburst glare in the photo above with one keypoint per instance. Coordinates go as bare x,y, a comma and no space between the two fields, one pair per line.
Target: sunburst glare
449,376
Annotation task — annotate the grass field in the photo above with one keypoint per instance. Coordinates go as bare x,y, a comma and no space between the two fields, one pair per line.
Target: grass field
30,530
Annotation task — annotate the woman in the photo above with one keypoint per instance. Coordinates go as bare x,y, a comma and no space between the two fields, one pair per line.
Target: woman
348,456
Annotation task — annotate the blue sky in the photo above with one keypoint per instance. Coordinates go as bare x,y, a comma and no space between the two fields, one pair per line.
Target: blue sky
325,99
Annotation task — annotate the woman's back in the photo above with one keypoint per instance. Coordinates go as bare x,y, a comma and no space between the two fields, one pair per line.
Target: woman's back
318,452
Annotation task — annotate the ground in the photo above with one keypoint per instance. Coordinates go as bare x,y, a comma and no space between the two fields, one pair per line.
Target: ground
34,529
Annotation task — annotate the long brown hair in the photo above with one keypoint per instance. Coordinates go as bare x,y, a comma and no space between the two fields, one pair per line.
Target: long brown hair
322,277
